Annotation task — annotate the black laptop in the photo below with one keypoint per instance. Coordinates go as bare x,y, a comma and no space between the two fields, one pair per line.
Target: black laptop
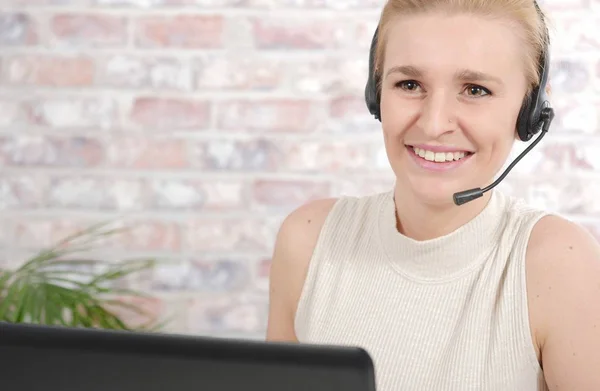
53,358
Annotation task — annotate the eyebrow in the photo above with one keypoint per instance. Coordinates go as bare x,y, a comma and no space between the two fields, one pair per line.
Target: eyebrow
466,75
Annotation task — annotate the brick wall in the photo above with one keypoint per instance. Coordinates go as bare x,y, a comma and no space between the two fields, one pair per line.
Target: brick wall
202,123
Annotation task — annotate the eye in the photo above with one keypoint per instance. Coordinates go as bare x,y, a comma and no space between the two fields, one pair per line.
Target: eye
475,90
408,85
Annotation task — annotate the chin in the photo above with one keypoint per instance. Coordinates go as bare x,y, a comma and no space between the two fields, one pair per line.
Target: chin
435,192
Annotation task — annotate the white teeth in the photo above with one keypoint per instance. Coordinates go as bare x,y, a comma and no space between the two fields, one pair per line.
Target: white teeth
439,157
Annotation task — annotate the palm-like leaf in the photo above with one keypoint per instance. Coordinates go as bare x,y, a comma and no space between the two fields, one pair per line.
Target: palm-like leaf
50,289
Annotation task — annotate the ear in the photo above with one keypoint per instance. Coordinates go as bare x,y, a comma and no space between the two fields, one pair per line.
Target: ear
549,89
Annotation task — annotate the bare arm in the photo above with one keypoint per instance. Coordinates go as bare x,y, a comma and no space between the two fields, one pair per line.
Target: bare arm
565,295
293,250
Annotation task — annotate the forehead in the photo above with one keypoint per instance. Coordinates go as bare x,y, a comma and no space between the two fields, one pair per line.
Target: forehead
439,42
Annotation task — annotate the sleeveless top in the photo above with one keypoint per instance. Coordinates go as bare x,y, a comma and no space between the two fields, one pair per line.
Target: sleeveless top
449,313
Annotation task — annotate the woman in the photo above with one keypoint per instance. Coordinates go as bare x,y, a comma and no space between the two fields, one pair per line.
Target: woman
489,295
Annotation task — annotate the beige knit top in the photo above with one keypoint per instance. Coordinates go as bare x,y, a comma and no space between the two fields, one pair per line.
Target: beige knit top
443,314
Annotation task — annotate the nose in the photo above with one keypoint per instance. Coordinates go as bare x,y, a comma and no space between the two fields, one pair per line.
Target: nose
437,114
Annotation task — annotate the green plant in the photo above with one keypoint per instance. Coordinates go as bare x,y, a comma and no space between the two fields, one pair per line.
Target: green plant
56,288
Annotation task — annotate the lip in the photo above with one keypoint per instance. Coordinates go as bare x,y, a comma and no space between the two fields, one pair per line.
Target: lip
439,148
436,166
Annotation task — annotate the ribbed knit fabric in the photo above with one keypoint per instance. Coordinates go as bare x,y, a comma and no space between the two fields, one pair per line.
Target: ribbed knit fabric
444,314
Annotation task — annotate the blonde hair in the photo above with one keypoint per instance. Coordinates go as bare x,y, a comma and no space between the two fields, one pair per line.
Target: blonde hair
524,12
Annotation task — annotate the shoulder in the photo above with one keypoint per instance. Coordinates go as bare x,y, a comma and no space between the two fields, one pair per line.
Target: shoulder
563,278
294,246
300,230
563,259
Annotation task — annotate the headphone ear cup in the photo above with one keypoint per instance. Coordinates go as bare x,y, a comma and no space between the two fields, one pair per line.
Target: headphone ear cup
371,90
531,109
528,120
523,120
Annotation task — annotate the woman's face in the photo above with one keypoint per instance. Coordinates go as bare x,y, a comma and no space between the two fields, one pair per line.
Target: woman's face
452,88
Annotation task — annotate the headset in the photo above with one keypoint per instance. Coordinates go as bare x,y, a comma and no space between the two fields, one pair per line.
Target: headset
535,114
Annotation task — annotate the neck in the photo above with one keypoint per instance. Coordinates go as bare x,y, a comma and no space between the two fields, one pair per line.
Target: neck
420,221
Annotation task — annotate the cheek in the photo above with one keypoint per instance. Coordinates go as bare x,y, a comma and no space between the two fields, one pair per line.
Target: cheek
393,143
395,120
394,111
393,136
495,147
494,134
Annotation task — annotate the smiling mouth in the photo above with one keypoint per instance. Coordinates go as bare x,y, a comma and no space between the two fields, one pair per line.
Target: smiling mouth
439,157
